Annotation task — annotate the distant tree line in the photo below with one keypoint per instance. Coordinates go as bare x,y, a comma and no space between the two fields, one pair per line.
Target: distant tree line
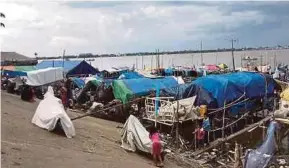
90,55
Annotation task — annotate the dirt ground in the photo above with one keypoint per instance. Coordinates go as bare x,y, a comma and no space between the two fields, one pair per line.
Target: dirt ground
95,144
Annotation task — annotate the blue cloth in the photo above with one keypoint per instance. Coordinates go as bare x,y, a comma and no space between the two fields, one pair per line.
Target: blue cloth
229,87
13,74
206,124
78,82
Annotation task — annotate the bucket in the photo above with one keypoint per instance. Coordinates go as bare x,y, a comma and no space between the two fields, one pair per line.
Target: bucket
203,110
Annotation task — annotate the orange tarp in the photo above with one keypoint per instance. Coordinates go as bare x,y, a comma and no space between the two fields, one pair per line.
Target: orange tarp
10,68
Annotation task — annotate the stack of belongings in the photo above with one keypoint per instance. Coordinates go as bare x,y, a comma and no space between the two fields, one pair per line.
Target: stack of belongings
134,136
50,111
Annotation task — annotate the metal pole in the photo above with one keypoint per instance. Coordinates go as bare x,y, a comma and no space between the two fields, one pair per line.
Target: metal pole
202,59
233,59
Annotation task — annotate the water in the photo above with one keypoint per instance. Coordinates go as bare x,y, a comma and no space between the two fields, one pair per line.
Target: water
282,56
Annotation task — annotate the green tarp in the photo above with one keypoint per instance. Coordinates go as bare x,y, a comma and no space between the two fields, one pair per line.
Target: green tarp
24,68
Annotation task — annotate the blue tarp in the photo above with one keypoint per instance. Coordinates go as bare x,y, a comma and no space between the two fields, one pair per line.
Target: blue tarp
260,157
13,74
190,90
67,65
70,67
82,68
142,86
78,82
229,87
130,75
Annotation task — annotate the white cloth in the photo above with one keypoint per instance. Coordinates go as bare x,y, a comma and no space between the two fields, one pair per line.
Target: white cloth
49,111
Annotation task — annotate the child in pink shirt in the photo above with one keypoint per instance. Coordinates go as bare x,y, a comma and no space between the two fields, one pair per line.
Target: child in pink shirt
156,146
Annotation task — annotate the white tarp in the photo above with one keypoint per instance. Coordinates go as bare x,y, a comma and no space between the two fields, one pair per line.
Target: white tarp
49,111
134,136
44,76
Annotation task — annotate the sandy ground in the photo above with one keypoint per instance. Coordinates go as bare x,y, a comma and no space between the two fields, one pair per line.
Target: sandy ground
25,145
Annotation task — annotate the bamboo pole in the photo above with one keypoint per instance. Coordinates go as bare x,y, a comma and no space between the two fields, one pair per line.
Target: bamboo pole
223,129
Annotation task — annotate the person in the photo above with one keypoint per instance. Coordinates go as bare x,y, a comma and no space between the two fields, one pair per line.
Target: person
200,135
156,146
207,126
63,95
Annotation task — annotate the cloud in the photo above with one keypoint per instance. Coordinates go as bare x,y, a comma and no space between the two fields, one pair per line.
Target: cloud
113,27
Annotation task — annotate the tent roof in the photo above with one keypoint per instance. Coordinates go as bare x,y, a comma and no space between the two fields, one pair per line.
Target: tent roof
229,87
82,68
71,67
67,65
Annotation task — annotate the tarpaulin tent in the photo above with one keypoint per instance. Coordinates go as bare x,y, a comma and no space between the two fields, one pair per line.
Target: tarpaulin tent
44,76
229,87
223,66
78,82
82,68
125,90
130,75
70,67
18,68
13,74
212,67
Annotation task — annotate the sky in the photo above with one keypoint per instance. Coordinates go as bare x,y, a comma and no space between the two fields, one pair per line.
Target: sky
48,28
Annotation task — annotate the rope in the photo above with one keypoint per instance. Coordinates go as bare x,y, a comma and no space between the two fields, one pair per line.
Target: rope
221,108
231,123
228,106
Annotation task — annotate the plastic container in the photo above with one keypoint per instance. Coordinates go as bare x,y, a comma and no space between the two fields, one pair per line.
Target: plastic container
203,110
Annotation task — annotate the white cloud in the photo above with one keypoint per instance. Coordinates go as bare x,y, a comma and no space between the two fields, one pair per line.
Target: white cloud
50,27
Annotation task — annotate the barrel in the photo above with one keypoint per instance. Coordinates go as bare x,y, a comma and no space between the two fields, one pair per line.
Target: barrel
203,110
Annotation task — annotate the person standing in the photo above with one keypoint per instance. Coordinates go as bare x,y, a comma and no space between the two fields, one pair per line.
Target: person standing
207,127
63,95
200,135
156,146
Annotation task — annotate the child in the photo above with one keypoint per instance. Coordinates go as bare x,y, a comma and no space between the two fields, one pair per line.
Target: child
200,133
156,146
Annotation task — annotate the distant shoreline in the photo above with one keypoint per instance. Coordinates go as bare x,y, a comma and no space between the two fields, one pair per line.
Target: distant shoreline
89,55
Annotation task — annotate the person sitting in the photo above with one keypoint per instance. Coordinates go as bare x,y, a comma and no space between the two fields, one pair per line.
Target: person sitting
156,146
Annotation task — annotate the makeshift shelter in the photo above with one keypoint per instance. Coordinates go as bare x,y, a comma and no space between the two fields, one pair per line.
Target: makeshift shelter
44,76
223,66
14,71
229,87
212,68
49,111
125,90
13,74
80,83
71,68
130,75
